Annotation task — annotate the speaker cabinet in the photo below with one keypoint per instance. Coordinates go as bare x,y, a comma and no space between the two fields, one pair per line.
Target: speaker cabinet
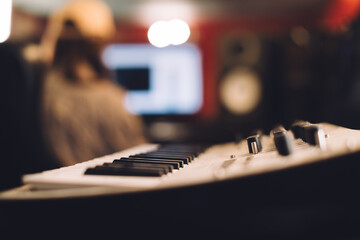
245,85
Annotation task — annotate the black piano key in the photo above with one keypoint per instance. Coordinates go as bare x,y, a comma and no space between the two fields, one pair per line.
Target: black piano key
185,160
186,153
136,166
173,154
159,159
165,167
144,155
125,171
153,163
175,150
174,164
194,148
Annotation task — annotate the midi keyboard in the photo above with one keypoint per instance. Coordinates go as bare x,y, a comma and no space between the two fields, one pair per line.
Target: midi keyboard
153,166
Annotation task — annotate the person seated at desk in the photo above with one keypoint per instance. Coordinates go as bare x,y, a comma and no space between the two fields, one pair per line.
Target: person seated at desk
83,116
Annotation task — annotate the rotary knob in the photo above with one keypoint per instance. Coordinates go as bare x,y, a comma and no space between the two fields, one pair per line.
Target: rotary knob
315,135
298,129
254,144
283,142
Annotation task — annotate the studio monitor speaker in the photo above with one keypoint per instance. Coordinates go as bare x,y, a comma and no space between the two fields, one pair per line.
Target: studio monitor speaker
245,91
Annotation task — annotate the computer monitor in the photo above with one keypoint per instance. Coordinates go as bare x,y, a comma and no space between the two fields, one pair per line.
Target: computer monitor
160,81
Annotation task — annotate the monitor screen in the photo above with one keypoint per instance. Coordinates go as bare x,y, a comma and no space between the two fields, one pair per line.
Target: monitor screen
160,81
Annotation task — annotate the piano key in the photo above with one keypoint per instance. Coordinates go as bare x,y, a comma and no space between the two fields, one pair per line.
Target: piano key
176,154
134,166
144,155
175,164
185,160
159,159
168,168
193,148
125,171
153,163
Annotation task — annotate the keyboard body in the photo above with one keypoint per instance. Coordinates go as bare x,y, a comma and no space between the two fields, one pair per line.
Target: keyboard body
217,163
